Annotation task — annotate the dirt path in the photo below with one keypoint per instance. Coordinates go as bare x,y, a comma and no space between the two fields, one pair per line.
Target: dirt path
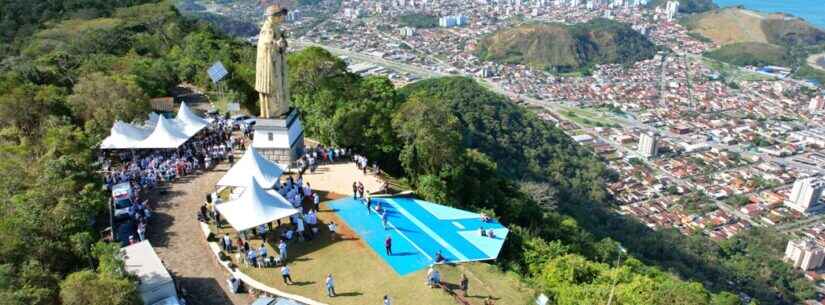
177,237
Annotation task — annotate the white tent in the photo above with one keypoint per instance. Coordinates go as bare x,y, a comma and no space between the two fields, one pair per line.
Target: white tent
252,164
189,122
159,132
166,134
152,120
124,135
255,207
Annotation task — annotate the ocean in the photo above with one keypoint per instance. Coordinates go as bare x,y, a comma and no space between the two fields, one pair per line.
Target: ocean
811,10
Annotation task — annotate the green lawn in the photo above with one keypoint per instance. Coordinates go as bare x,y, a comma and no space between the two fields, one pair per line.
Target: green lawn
364,278
589,117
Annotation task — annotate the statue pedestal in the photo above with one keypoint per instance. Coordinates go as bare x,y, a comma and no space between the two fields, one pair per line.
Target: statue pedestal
280,140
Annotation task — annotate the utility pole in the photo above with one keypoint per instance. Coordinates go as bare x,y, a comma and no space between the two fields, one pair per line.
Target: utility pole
616,281
111,219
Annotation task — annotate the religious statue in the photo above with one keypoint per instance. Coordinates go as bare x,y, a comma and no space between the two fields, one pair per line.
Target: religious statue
270,72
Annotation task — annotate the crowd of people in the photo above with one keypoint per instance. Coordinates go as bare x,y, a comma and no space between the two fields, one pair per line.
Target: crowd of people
145,169
321,155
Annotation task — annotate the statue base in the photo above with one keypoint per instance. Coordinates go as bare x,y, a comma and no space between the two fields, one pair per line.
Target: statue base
280,140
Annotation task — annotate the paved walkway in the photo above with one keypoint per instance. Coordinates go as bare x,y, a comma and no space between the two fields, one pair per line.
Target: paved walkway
175,233
338,178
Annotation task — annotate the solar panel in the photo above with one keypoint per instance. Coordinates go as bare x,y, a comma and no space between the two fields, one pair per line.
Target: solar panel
217,72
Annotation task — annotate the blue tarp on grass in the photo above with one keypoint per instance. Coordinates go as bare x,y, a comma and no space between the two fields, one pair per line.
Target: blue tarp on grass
419,229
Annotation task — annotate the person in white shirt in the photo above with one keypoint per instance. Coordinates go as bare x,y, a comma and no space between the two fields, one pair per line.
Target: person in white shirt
332,228
285,275
282,251
330,283
387,300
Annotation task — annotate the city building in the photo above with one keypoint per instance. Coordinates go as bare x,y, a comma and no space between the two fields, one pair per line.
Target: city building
453,21
804,254
293,16
806,194
407,31
647,145
817,103
671,9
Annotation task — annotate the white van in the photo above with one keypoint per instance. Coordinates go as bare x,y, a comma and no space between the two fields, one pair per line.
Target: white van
122,198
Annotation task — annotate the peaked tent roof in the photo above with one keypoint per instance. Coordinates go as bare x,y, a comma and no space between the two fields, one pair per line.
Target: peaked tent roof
124,135
255,207
166,134
252,164
190,122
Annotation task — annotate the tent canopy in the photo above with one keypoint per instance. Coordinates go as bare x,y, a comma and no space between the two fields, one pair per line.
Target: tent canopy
166,134
255,207
189,121
252,164
159,132
123,135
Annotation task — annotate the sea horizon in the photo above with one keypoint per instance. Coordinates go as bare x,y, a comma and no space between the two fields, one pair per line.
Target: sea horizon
812,11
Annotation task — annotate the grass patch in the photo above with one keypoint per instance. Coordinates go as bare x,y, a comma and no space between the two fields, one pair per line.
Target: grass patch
589,117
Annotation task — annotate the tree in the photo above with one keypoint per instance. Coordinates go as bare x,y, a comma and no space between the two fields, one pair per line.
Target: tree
725,298
26,105
431,136
99,100
89,288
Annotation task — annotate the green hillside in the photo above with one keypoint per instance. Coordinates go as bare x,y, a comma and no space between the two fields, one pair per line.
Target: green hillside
751,54
567,48
791,31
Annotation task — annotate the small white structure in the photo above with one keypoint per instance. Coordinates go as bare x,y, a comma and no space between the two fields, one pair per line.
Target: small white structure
156,285
252,164
804,254
280,140
255,207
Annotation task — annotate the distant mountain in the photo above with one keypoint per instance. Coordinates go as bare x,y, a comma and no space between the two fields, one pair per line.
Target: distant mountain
737,25
688,6
567,48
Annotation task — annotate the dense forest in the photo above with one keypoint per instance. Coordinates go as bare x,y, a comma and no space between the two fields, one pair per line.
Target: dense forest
69,68
69,71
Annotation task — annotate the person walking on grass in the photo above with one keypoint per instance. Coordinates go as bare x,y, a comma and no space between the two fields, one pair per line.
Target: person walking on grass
388,245
285,275
464,284
330,283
